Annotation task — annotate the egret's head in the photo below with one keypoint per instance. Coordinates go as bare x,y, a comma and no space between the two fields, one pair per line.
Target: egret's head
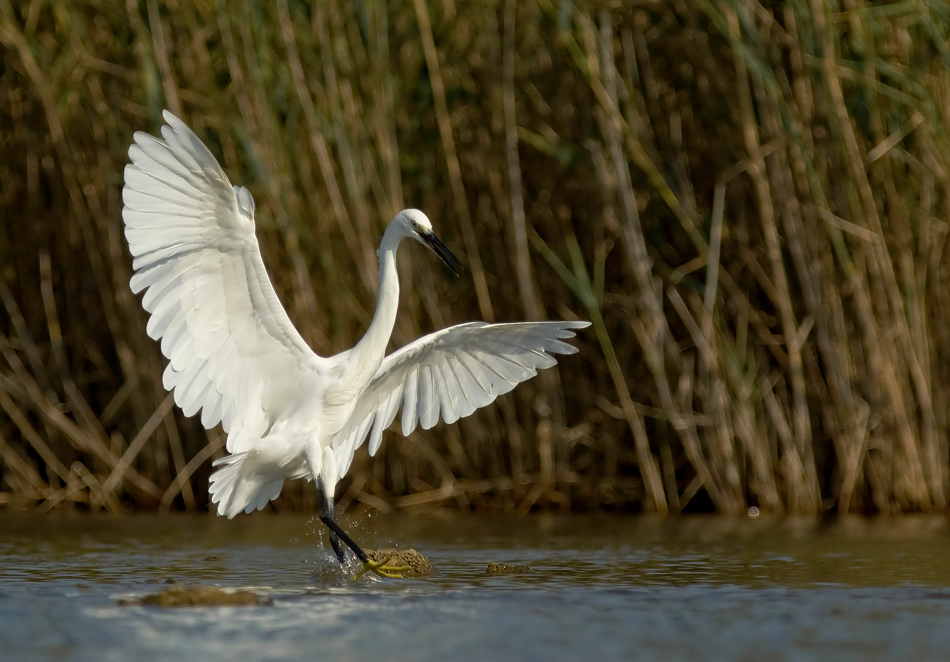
415,224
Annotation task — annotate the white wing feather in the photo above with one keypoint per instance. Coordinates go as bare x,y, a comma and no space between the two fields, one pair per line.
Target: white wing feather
450,373
233,352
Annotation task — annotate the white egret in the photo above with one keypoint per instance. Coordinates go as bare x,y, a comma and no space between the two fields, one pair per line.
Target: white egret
234,354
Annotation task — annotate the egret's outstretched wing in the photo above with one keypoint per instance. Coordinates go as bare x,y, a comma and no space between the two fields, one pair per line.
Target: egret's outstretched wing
450,374
232,350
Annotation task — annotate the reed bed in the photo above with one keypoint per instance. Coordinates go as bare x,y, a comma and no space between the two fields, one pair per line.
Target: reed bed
749,200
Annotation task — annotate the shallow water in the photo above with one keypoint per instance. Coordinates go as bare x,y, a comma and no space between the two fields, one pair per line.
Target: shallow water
602,587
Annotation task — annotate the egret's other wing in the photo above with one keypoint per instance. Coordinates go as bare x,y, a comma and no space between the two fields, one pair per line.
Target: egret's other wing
450,374
232,350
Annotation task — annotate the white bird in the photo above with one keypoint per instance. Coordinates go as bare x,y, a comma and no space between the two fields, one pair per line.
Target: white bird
235,355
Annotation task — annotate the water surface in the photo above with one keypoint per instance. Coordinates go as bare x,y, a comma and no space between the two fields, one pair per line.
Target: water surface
601,587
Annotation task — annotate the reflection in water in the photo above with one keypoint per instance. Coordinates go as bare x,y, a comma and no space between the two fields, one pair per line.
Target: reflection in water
601,587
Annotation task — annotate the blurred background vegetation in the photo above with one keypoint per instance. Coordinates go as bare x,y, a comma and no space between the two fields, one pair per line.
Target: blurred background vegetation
749,200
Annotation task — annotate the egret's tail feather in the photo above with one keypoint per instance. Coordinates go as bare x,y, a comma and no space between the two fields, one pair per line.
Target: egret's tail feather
239,485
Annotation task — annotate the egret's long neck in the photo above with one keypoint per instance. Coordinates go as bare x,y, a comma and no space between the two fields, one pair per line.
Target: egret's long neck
372,348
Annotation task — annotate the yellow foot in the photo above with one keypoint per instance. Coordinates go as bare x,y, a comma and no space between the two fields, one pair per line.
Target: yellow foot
382,569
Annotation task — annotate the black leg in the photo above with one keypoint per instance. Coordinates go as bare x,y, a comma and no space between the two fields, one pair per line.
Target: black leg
338,548
338,537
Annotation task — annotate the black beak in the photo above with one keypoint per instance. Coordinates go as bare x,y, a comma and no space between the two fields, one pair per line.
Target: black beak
440,249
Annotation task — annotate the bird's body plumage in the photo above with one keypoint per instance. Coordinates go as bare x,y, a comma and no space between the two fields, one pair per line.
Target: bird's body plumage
235,355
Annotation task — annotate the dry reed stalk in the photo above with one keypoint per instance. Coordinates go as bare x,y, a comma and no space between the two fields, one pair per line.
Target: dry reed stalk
80,439
905,290
910,486
580,283
23,474
550,460
354,163
821,298
452,162
909,474
801,483
757,170
522,257
138,443
213,447
319,143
